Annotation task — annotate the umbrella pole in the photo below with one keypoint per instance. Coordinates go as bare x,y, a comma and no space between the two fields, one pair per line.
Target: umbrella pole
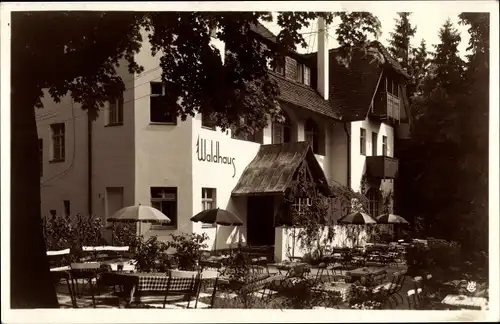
215,243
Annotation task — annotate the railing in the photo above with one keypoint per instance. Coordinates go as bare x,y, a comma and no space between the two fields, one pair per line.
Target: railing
393,106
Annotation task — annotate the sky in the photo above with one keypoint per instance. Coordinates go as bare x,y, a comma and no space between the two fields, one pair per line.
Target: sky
428,23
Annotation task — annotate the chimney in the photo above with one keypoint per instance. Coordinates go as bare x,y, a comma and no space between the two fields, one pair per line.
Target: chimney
323,85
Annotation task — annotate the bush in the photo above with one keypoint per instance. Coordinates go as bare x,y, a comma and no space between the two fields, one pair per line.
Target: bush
151,255
188,249
438,257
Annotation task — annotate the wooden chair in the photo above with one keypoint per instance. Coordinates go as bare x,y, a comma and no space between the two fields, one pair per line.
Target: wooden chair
412,299
59,272
88,272
182,286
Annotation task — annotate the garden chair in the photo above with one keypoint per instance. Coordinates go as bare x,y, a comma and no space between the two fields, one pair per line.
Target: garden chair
412,299
393,288
59,272
88,272
182,287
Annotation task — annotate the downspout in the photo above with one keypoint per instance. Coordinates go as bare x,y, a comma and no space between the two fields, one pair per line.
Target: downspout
348,136
89,163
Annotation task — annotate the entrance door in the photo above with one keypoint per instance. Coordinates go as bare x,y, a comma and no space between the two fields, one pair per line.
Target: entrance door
260,220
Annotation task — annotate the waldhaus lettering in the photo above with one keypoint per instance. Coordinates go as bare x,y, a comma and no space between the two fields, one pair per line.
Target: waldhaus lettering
213,153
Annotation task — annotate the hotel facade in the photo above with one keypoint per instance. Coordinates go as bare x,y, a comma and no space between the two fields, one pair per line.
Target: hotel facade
344,120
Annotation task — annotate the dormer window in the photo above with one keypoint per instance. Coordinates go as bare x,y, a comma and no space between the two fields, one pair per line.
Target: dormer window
392,87
303,74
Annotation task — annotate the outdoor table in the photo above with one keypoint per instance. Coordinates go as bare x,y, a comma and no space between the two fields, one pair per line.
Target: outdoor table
125,265
288,266
466,302
366,272
143,281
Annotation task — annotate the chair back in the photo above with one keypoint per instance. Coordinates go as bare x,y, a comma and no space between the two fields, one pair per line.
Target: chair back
183,274
85,265
56,257
411,298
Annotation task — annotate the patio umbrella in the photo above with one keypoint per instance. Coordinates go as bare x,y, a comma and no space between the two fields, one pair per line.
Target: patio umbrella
141,214
219,217
357,218
391,219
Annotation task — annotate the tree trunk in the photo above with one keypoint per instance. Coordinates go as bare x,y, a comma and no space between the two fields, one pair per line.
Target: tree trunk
31,284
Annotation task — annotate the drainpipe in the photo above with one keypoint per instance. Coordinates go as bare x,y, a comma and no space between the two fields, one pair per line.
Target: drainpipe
348,136
89,163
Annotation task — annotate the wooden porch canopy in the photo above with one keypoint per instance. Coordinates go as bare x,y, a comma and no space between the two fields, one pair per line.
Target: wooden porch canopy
273,168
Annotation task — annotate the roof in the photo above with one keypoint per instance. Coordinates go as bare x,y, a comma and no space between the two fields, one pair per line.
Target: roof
393,63
303,96
273,168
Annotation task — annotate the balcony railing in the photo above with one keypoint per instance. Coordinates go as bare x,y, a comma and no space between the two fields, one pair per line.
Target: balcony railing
382,167
387,107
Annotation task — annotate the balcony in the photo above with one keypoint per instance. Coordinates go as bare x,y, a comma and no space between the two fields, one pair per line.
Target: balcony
382,167
386,107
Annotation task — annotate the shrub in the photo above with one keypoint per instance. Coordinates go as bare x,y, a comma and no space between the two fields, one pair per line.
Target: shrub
188,249
438,257
151,255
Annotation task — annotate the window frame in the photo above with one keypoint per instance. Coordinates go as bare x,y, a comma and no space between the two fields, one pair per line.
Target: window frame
385,147
67,208
374,143
58,138
374,196
115,111
362,141
157,95
314,132
206,200
174,218
300,72
307,81
211,123
284,128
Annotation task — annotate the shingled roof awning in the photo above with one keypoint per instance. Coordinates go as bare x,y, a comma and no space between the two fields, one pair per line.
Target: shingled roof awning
273,168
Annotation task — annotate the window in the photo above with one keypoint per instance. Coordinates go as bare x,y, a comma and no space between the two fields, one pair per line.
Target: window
303,74
58,149
114,201
374,143
312,135
392,87
208,201
384,145
300,73
165,200
257,137
362,141
280,66
40,150
161,110
307,76
207,122
374,202
282,131
115,111
301,205
67,208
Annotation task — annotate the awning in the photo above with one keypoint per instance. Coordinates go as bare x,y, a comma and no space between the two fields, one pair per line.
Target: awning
273,168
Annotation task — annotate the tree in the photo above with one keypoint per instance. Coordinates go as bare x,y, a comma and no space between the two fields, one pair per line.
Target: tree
400,39
450,66
418,67
447,157
77,53
353,34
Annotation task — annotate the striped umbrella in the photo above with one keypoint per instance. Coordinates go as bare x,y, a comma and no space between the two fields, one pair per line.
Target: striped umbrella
145,214
391,219
357,218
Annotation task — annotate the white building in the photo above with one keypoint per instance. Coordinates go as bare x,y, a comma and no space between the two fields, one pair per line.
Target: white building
135,153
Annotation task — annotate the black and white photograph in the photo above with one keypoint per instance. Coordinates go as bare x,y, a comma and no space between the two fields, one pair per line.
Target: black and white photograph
239,161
